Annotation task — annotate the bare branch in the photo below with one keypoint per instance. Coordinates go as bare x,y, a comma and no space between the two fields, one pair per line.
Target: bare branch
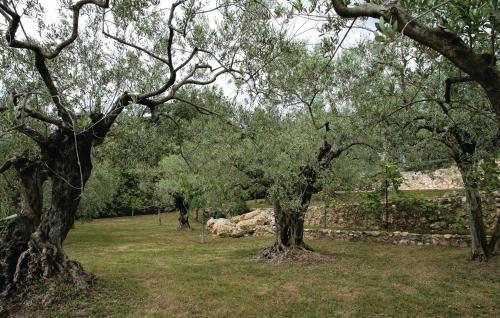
205,111
405,106
173,73
26,111
188,81
74,31
450,82
5,15
51,87
45,118
326,154
15,20
209,81
41,54
124,42
193,53
31,133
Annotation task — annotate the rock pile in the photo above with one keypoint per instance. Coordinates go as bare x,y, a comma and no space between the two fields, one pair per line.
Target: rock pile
258,222
448,178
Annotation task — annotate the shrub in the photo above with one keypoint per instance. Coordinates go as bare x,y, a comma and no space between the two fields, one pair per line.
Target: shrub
456,222
219,215
372,204
416,207
240,208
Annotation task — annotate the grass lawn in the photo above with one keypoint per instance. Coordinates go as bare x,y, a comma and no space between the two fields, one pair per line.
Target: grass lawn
148,270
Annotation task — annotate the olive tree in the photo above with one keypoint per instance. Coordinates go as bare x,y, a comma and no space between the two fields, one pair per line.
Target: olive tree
177,183
299,130
404,100
133,54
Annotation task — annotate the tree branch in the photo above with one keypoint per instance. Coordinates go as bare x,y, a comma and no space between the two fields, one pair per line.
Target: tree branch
139,48
6,166
169,62
446,43
42,54
45,118
15,21
450,82
31,133
326,154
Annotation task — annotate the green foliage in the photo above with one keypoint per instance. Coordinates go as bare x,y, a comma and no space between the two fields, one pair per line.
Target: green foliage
218,214
372,203
413,206
417,207
490,174
239,208
176,177
99,192
8,196
456,222
386,174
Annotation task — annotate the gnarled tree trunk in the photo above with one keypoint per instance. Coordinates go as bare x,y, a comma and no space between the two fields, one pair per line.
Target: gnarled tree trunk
36,258
17,232
290,222
182,206
289,232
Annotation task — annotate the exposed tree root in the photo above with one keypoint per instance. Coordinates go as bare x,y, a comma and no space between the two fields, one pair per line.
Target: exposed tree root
183,226
478,256
43,276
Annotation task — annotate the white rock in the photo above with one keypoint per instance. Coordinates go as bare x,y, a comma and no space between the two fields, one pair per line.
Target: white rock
220,227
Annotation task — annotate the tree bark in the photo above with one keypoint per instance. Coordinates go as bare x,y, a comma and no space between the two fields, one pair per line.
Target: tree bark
289,227
38,261
290,222
289,233
17,233
479,241
197,215
182,206
491,84
494,245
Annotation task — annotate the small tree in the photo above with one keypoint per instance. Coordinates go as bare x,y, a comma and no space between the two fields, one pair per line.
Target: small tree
461,129
179,185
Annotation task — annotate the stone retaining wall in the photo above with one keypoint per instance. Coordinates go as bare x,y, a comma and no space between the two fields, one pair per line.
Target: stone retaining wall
450,216
396,238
